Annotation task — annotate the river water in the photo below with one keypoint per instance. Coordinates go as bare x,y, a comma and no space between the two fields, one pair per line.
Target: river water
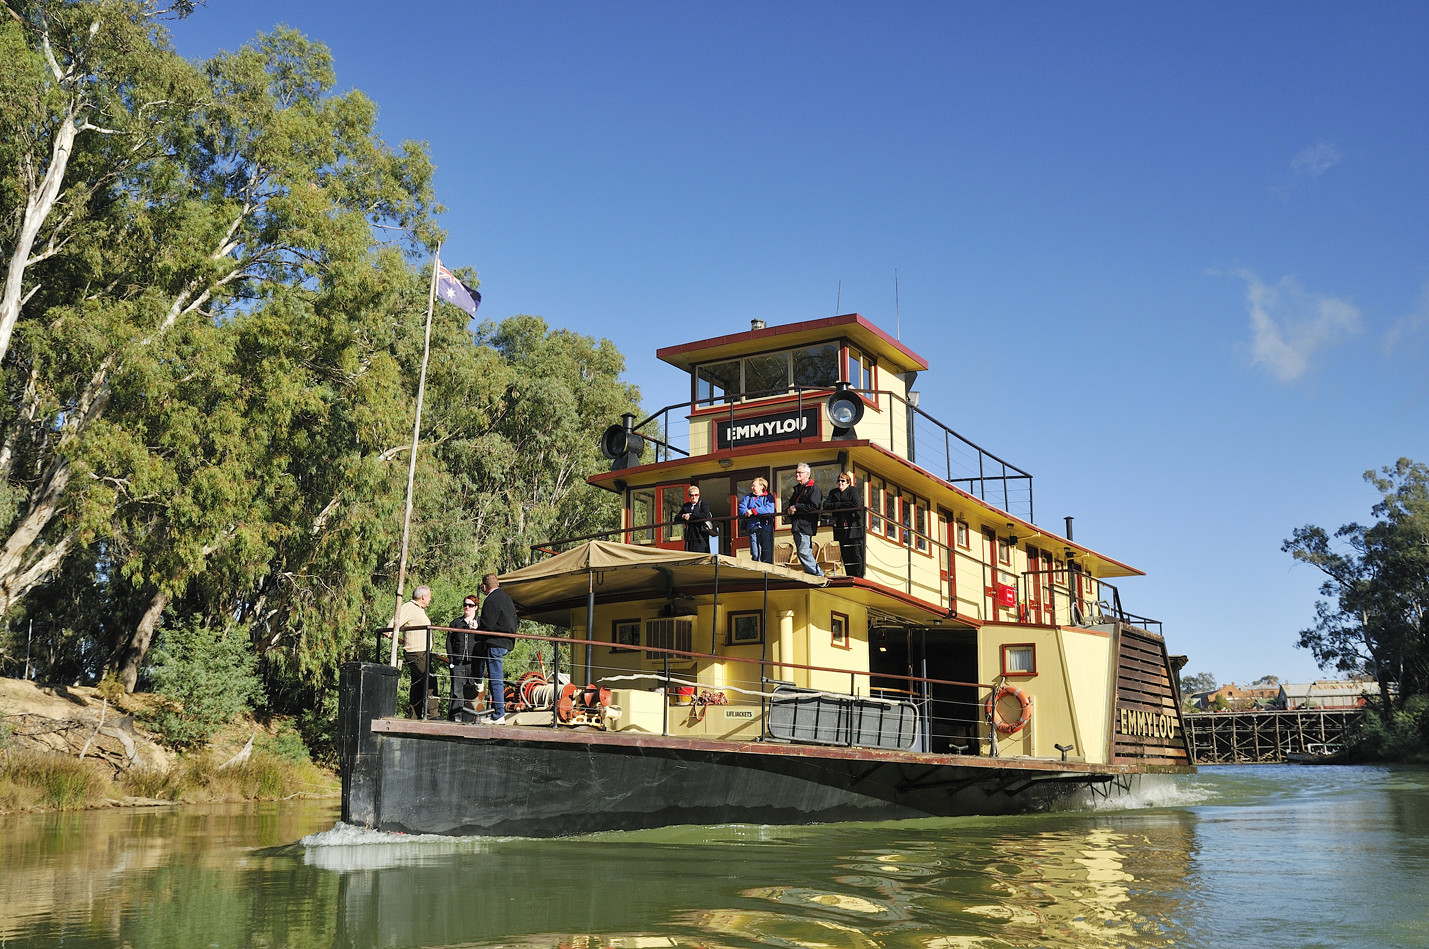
1262,856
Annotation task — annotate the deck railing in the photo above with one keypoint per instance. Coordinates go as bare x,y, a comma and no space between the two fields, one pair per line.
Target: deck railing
960,726
928,443
1062,597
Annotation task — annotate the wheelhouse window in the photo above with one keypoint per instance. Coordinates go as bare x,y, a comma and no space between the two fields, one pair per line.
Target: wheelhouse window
717,383
858,369
815,366
838,630
765,374
964,535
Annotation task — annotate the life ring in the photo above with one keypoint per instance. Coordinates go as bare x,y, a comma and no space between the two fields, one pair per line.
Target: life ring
1009,728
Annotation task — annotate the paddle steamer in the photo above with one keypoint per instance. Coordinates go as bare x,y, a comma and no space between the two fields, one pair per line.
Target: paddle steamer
983,664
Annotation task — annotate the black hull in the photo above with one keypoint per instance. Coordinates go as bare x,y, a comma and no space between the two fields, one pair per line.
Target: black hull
438,778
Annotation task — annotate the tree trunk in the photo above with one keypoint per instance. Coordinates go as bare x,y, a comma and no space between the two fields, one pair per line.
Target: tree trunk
131,656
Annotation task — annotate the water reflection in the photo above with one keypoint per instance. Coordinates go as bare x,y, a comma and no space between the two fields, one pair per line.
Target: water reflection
1170,876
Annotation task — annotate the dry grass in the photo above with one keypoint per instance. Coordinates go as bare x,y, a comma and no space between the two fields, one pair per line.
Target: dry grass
35,780
31,780
262,777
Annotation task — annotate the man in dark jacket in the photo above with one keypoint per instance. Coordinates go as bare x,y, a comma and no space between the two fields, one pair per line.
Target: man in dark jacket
802,510
498,615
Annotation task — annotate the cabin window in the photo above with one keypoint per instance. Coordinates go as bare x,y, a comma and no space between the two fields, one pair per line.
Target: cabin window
826,478
624,635
746,628
964,535
892,511
642,514
1004,551
920,524
875,505
672,497
838,630
1019,659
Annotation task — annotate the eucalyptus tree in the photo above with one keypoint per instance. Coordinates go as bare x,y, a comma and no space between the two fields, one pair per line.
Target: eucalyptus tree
160,209
1375,618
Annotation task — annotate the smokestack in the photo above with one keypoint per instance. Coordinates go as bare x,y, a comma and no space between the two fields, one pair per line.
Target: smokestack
1069,520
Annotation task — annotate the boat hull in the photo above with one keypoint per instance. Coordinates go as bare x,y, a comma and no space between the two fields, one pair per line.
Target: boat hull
490,780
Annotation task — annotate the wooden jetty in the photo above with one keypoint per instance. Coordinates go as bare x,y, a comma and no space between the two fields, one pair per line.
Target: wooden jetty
1265,737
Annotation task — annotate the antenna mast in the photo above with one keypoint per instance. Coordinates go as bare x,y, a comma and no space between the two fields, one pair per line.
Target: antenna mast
897,309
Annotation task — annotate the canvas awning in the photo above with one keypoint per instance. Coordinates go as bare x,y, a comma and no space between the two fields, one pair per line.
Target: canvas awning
628,571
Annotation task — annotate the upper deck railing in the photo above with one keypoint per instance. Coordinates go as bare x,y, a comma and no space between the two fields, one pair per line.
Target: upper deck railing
1063,597
927,442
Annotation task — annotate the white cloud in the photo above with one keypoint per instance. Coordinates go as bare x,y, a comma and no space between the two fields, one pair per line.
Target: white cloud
1409,327
1289,324
1315,160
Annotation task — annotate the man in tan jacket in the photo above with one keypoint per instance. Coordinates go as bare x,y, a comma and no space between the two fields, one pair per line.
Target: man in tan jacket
412,621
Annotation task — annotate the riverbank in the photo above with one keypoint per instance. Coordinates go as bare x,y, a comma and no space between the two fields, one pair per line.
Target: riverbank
75,748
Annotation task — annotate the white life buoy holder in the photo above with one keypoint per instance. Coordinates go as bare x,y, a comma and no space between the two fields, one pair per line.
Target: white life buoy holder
1004,727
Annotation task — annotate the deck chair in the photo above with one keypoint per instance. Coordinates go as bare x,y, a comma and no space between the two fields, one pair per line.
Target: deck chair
784,554
830,558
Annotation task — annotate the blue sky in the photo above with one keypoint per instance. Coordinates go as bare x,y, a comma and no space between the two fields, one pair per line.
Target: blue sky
1171,259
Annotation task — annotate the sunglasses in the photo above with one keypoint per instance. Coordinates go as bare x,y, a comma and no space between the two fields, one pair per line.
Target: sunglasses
471,605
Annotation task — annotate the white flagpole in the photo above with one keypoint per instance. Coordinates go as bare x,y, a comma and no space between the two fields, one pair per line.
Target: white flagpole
412,460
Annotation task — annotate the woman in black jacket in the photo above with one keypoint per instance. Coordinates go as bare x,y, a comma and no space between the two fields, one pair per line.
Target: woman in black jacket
695,516
845,503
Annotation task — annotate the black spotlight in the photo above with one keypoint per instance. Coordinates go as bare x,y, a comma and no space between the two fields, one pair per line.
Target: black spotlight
621,444
844,408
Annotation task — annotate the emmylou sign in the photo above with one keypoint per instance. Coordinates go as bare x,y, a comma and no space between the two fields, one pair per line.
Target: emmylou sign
778,427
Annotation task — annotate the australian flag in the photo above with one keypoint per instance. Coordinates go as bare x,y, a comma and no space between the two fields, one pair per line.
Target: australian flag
452,290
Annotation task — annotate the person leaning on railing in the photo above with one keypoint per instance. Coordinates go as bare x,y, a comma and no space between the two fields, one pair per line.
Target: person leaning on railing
411,620
846,504
758,508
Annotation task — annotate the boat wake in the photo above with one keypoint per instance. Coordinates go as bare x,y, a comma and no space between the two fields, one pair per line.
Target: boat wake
346,848
1157,791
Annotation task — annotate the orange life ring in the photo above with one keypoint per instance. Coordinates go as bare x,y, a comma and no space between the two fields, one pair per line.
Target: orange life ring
1008,728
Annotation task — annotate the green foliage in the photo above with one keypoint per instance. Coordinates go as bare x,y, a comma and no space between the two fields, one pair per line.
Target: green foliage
1400,734
287,745
1375,618
206,679
212,376
1200,682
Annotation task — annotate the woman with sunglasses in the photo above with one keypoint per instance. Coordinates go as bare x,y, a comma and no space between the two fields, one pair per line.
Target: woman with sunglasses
462,649
846,503
695,516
